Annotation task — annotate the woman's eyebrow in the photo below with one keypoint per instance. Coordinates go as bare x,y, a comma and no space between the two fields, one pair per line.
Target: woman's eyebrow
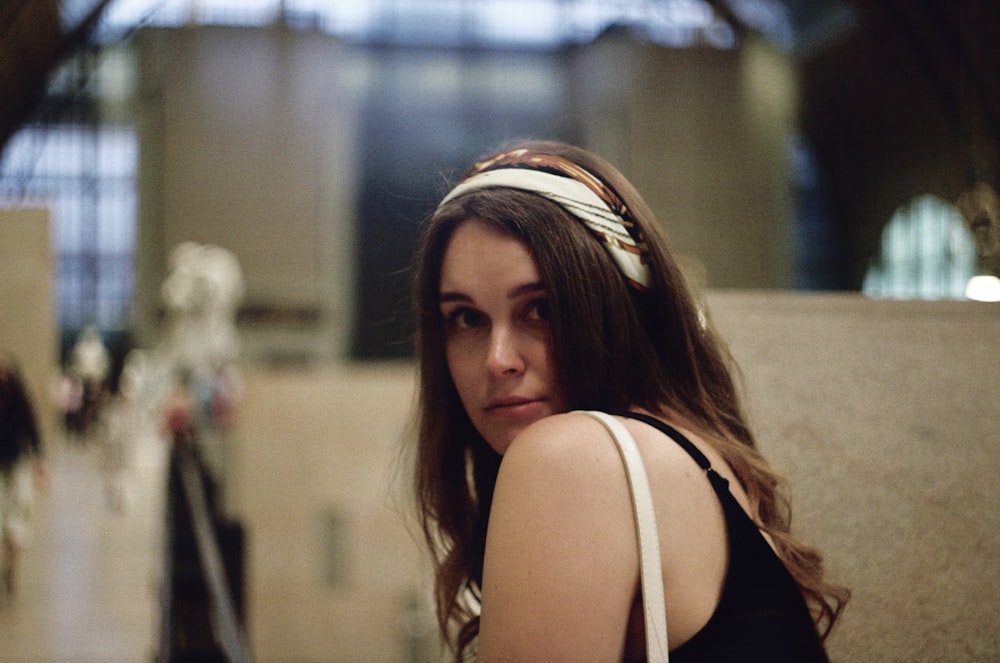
453,296
526,289
448,296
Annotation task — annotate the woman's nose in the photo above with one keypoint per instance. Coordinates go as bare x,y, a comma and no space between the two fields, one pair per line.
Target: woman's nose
504,358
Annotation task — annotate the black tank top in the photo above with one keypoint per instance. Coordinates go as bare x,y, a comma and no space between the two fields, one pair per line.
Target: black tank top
761,615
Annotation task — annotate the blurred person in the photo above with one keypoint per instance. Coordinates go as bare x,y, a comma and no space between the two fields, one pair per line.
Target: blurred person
127,424
545,289
20,457
67,397
90,366
181,413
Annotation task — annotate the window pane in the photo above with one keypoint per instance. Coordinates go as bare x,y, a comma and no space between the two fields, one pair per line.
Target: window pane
927,253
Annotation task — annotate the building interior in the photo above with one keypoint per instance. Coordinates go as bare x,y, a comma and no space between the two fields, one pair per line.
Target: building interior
827,171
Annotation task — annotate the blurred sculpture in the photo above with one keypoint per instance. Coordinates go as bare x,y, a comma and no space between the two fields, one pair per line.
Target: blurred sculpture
201,295
201,347
980,205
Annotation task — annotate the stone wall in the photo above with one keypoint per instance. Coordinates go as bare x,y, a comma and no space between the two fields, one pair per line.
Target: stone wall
27,309
883,416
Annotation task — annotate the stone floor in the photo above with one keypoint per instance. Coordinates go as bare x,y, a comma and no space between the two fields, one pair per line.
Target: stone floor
87,585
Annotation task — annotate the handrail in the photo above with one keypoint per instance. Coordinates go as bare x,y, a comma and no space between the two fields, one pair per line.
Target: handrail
224,627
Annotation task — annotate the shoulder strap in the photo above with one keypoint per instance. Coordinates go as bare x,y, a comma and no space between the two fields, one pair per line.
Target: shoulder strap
719,483
673,434
651,574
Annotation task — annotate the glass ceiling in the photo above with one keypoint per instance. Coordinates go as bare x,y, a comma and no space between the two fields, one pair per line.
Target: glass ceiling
532,24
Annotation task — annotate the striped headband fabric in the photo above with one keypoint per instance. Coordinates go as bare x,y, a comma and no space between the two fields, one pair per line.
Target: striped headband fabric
576,190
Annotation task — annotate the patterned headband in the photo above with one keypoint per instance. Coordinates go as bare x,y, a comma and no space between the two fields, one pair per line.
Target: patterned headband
577,191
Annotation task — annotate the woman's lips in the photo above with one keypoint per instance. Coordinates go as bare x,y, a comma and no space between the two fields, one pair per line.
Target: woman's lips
515,407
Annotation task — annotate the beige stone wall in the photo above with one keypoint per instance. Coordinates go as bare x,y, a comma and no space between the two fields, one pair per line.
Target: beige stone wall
311,447
27,308
702,134
248,142
881,414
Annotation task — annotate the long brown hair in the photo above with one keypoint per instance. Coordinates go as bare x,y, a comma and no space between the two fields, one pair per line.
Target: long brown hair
615,347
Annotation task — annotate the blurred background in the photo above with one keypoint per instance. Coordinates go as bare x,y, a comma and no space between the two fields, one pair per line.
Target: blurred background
833,159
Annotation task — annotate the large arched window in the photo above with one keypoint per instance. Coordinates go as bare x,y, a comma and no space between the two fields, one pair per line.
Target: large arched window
927,252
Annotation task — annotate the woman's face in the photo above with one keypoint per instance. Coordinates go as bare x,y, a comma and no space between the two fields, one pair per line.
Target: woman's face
497,338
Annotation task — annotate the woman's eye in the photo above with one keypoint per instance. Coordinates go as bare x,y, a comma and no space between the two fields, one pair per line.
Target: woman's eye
539,310
464,318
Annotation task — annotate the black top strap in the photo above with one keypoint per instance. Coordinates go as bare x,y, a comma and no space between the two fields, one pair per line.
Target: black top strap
719,482
761,615
674,434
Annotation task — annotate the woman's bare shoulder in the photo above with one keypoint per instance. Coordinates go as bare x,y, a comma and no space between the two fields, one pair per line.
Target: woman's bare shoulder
560,489
579,439
569,443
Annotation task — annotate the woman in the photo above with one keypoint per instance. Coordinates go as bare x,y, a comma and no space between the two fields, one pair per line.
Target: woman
543,288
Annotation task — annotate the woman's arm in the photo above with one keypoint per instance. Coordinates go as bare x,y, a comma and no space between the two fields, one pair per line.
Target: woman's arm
561,566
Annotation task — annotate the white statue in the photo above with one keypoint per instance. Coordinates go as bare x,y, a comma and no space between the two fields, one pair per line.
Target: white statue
201,295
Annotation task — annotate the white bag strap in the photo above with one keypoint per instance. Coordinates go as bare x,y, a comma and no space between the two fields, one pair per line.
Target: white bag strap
651,574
